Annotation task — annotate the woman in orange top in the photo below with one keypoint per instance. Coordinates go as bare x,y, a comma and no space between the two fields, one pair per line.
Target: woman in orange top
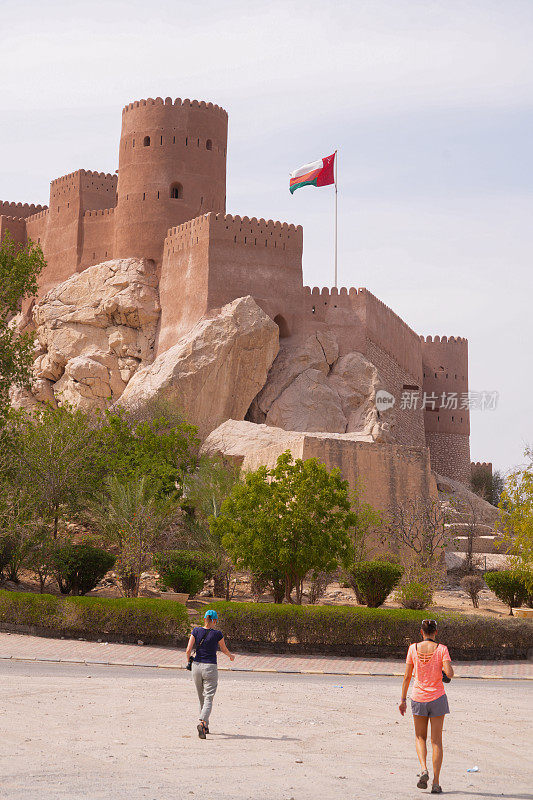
428,661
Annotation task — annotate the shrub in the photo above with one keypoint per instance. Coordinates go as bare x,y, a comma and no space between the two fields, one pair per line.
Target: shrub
473,584
375,580
185,570
194,559
317,588
508,586
183,579
7,548
349,630
415,595
152,619
79,567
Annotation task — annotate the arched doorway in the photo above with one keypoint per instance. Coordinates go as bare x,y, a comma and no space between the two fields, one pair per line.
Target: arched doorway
281,322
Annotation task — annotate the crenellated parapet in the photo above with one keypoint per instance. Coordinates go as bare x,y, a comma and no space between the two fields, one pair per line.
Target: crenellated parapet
98,212
20,210
15,227
236,230
444,340
478,467
178,102
39,215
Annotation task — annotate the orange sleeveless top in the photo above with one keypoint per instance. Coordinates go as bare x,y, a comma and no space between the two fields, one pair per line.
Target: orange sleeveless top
427,673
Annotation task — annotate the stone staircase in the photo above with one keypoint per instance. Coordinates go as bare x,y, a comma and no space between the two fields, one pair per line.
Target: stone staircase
470,516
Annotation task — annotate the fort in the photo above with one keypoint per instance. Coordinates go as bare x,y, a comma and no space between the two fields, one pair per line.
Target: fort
167,203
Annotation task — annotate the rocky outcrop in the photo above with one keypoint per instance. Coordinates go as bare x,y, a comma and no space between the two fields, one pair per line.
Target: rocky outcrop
213,373
310,388
385,474
93,332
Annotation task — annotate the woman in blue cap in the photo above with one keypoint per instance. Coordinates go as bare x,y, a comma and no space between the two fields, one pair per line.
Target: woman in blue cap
206,640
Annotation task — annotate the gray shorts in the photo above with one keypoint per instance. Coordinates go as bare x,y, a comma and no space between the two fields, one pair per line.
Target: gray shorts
435,708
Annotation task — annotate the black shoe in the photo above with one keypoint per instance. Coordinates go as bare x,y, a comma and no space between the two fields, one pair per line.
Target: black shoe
201,730
423,780
436,789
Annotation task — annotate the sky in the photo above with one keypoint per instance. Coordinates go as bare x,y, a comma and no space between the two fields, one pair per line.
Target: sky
428,102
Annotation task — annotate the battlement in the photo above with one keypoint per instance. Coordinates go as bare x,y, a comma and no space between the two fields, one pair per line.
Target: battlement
158,101
38,215
484,465
242,230
82,173
7,218
444,340
19,210
98,212
318,293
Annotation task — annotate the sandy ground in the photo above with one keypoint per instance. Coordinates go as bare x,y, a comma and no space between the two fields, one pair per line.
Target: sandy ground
114,733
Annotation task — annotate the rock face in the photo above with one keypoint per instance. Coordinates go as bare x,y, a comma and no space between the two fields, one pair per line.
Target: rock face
310,388
384,473
213,373
93,332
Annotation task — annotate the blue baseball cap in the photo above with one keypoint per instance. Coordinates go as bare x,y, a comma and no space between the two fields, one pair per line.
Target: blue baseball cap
211,614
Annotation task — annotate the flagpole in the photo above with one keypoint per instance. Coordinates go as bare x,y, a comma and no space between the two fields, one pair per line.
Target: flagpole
336,219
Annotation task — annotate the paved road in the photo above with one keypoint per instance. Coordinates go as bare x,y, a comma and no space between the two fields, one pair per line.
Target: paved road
34,648
76,731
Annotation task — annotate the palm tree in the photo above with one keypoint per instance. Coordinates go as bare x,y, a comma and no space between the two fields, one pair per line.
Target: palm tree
132,515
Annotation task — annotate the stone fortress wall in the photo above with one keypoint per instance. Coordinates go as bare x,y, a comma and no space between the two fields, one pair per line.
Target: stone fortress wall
167,203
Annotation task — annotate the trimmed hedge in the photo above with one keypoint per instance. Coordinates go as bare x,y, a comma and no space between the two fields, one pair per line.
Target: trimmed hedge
355,631
152,620
332,630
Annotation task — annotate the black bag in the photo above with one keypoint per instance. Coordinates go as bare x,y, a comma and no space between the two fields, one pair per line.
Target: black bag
196,646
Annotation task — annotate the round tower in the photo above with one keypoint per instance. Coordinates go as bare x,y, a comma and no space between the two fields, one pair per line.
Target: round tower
446,412
172,168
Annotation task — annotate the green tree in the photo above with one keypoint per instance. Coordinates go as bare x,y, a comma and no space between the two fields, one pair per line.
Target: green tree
516,503
18,527
52,454
132,515
289,520
368,522
204,490
160,447
508,586
19,268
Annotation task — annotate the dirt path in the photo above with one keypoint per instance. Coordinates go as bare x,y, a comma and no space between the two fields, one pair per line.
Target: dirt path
73,732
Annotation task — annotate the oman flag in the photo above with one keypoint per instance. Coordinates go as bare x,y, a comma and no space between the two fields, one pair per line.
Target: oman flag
318,173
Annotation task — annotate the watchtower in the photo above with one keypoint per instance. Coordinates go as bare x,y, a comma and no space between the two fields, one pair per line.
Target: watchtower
446,413
172,168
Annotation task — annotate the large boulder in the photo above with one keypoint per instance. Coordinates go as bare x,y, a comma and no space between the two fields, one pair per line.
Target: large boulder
310,388
213,372
93,332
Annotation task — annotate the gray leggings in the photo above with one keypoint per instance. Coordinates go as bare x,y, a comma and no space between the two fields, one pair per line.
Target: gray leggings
205,677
